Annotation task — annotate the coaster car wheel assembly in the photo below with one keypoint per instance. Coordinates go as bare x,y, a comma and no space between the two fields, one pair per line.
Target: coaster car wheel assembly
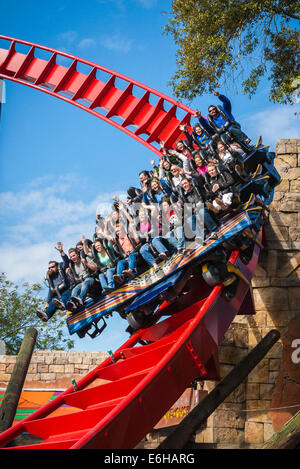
137,319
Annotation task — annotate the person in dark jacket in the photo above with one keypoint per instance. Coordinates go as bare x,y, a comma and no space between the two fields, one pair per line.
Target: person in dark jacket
218,118
195,212
201,134
221,189
59,286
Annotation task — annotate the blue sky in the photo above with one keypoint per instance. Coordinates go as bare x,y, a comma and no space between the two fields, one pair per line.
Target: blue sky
59,163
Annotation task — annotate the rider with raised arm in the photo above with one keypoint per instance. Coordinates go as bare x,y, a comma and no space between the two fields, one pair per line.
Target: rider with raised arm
59,286
82,275
201,134
219,117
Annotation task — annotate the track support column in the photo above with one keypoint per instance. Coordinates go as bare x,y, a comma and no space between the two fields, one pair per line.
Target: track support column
184,431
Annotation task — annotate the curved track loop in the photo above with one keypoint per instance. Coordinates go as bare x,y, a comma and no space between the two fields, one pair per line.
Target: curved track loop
143,113
122,399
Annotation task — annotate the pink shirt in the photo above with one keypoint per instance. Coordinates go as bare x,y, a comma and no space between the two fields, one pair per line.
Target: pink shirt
145,227
202,170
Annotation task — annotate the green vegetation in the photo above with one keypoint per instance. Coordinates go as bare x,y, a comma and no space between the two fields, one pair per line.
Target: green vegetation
18,311
220,42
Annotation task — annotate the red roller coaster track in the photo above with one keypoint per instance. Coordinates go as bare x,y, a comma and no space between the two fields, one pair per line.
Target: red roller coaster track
122,399
141,116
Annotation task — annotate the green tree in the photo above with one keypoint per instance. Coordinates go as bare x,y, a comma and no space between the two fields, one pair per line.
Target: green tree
221,42
18,311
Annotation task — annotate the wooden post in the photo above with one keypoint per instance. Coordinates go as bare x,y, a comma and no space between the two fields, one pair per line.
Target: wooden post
16,382
192,422
287,437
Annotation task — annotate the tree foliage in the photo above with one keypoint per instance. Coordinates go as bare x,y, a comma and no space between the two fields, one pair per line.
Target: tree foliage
220,42
18,311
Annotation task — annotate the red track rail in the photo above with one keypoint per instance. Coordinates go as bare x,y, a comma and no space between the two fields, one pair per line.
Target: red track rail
141,382
104,99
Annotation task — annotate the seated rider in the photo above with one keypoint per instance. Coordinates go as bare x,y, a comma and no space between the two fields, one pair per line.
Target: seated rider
127,247
158,188
164,170
82,277
177,174
148,233
105,259
218,119
164,163
196,213
100,223
145,177
198,165
186,160
201,133
221,189
126,244
59,286
231,158
172,228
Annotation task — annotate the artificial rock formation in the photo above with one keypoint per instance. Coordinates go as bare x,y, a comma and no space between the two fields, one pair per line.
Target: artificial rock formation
271,394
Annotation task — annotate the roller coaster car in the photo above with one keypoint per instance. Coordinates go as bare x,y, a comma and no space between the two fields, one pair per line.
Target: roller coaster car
137,300
264,178
244,243
137,319
87,329
214,270
130,301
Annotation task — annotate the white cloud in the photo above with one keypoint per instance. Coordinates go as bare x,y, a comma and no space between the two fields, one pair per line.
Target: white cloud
45,211
25,264
71,39
273,124
67,37
117,43
86,43
147,3
121,4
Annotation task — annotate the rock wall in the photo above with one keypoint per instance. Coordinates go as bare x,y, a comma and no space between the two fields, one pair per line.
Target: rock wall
52,369
271,393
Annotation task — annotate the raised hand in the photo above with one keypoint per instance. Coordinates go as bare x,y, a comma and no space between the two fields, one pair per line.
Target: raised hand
59,247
